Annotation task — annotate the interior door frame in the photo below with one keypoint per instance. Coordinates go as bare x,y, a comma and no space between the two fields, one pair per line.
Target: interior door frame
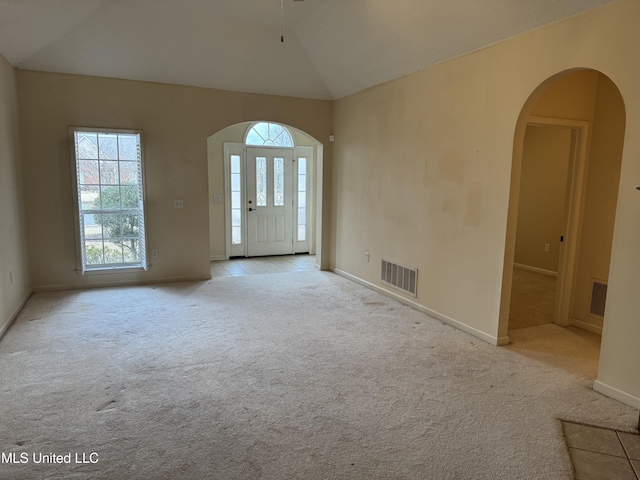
574,200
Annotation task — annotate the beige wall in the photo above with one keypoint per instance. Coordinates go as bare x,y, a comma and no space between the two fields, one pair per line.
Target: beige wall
176,121
422,176
601,196
543,187
571,96
14,269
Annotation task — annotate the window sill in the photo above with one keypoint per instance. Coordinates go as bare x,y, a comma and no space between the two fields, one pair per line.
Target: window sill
112,270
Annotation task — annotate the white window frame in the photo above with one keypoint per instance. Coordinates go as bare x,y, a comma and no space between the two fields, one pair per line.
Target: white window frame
82,267
270,141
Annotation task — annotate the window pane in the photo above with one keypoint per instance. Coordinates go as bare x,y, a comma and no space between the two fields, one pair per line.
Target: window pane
112,252
89,172
236,235
262,129
108,146
235,218
110,197
279,135
278,182
87,144
94,252
89,197
302,216
129,196
129,173
131,250
302,199
235,200
112,225
130,225
302,165
254,139
235,163
261,181
109,173
235,182
92,226
269,134
302,233
128,147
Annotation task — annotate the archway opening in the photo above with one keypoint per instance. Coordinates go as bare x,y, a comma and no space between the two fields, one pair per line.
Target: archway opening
564,188
235,147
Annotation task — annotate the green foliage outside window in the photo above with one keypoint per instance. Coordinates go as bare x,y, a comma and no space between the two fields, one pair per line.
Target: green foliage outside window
118,228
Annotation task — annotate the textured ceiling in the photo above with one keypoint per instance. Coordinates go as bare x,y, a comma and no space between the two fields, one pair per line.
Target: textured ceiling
332,48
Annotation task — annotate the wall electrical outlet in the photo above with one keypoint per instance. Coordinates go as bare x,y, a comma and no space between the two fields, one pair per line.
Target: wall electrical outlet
366,257
547,247
178,203
217,197
154,253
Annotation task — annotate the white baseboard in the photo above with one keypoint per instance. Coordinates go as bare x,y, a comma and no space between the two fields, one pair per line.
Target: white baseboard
15,313
421,308
589,327
124,283
542,271
616,394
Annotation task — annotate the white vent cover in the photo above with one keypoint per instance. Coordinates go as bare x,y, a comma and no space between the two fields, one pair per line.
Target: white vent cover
598,298
398,276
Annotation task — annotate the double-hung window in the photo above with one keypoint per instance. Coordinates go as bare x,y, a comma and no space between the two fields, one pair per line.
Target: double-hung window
109,192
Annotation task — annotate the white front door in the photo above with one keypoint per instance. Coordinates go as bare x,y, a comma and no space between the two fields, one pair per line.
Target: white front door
269,194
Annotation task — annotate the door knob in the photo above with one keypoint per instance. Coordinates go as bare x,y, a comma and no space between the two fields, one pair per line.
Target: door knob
252,209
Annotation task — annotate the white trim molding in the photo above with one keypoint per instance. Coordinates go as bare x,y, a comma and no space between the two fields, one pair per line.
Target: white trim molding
15,313
589,327
541,271
616,394
496,341
122,283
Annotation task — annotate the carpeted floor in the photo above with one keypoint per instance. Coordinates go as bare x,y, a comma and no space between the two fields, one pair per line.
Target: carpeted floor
300,375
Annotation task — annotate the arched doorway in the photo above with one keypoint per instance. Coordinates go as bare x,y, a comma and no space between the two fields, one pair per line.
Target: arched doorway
567,146
264,184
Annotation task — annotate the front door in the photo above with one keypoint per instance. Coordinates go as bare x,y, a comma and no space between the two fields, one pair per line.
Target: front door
269,194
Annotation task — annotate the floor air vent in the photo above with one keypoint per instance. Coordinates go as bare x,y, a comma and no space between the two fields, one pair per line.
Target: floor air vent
598,298
400,277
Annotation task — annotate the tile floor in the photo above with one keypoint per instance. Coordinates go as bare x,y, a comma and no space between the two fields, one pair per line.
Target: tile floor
602,454
260,265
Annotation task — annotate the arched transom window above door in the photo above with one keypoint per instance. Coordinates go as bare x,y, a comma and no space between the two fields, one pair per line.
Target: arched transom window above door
269,135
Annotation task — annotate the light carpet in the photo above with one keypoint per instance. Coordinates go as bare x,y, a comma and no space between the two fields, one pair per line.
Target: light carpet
300,375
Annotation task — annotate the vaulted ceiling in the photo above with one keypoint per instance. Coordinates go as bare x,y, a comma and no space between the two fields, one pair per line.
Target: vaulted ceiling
331,48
